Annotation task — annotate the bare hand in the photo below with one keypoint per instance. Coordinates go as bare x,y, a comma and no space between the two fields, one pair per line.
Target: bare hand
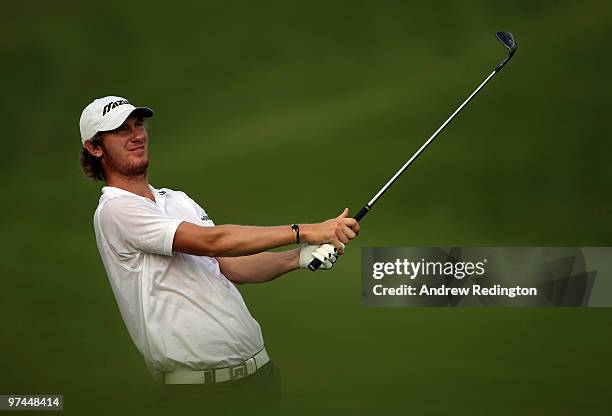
336,231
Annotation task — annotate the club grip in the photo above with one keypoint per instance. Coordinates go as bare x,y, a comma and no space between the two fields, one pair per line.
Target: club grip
362,212
316,263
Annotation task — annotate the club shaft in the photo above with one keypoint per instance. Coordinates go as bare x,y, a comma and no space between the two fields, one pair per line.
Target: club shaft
315,263
418,152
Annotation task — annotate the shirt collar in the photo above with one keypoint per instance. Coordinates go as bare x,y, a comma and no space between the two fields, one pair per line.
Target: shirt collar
111,191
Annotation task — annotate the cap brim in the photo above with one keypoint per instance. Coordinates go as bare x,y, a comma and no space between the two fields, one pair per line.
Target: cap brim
118,119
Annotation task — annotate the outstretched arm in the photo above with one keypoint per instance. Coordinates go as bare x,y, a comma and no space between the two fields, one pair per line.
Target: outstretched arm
241,240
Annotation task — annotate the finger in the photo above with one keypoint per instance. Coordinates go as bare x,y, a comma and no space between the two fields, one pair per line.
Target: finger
341,251
345,235
326,263
325,253
356,228
326,256
331,248
328,247
344,213
337,244
319,256
338,252
341,236
349,221
348,232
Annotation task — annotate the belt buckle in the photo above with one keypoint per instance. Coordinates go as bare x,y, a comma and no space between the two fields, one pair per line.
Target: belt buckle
239,371
209,376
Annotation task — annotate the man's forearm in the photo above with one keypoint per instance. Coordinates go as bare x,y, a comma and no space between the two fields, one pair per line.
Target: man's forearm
245,240
229,240
259,268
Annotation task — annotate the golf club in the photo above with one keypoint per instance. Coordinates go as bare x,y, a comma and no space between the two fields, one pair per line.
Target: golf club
508,41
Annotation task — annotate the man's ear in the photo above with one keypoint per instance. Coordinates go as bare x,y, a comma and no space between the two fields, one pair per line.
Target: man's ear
94,150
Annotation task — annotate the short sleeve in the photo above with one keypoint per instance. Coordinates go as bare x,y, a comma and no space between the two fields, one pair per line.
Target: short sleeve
133,225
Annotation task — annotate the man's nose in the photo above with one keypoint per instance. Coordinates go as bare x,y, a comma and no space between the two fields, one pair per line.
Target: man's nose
138,135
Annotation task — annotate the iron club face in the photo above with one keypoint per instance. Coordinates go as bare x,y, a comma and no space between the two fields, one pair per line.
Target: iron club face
507,40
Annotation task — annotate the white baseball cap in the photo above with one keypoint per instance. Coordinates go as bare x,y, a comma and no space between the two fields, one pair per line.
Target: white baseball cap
107,113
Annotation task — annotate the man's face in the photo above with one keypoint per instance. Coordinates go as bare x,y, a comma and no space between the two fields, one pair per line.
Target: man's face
125,148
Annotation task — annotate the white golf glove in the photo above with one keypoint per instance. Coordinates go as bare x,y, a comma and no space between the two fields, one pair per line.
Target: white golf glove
326,253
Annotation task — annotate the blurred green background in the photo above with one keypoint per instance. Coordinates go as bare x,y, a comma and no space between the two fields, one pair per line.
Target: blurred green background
276,112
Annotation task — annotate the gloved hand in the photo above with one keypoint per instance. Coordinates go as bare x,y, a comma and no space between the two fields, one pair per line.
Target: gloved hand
326,253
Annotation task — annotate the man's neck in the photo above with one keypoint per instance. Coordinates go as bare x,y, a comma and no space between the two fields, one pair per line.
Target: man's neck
136,185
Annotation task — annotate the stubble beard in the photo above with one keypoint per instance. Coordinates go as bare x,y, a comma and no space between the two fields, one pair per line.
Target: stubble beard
127,168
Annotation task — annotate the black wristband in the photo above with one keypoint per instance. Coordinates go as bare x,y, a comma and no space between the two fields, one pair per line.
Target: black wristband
296,228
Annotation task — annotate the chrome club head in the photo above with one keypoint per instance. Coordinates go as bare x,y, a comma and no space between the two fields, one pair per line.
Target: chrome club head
508,40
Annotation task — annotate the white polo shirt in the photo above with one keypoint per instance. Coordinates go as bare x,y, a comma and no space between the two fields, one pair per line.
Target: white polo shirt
180,310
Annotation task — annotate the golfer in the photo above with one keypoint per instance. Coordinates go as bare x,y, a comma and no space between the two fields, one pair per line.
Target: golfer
172,270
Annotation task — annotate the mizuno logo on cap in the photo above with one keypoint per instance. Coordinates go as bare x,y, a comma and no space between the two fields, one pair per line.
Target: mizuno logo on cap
112,105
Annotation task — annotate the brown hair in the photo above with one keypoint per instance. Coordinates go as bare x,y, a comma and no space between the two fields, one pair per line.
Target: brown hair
92,165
